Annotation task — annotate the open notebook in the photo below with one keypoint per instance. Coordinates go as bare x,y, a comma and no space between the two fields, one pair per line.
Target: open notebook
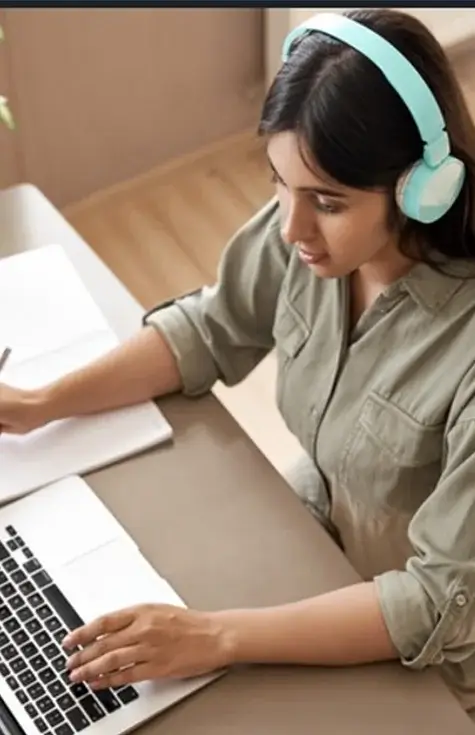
53,326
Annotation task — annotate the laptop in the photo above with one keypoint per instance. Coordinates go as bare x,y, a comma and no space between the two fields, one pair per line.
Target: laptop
64,560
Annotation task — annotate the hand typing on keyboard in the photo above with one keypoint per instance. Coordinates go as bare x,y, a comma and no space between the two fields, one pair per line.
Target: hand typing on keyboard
35,617
147,642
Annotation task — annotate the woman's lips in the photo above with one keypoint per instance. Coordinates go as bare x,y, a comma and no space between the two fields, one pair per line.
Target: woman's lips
310,258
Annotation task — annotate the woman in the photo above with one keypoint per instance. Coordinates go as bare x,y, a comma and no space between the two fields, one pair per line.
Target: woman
368,295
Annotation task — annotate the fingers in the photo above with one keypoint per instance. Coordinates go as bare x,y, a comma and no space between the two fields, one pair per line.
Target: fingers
101,647
131,675
103,626
110,663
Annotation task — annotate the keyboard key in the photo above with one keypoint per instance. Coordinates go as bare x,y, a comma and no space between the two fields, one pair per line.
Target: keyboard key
107,699
20,638
33,626
29,650
12,544
21,696
10,565
36,691
92,708
3,670
65,701
24,614
11,625
59,635
53,624
47,675
3,639
19,541
42,638
17,665
3,578
44,705
31,710
26,588
51,651
35,600
26,678
44,612
9,652
38,662
127,695
4,612
40,725
56,689
32,565
64,729
4,553
54,718
42,579
7,590
77,719
59,664
12,682
27,552
18,576
10,530
63,607
77,690
16,602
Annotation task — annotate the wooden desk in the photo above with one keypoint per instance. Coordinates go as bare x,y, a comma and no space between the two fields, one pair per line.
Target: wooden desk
215,519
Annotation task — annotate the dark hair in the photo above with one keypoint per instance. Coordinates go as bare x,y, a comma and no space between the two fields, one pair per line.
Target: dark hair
356,127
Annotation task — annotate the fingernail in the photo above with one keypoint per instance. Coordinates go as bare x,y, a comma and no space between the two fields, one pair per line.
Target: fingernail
73,675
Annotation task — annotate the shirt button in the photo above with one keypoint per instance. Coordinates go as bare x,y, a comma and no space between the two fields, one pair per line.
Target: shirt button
460,599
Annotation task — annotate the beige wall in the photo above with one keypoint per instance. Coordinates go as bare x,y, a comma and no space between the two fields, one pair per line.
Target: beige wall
104,95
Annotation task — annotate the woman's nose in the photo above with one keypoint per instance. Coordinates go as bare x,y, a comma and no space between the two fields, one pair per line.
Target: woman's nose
297,225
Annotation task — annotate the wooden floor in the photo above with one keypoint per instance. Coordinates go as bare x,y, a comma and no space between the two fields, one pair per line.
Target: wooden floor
163,235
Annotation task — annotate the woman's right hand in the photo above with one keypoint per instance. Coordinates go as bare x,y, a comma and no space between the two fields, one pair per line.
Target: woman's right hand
21,411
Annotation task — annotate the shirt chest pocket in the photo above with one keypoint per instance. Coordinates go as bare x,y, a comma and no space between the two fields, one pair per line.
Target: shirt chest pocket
390,459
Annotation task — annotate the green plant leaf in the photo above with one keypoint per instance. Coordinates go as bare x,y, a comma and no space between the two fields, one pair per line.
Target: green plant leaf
6,116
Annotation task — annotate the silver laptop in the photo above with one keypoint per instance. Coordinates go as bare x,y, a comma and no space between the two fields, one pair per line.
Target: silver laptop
64,560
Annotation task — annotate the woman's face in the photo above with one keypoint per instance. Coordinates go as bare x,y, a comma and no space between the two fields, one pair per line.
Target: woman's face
336,230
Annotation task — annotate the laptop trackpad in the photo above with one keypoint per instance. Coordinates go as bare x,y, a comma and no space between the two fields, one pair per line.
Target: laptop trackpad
112,577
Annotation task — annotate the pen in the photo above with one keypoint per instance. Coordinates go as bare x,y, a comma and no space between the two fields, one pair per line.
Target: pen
4,357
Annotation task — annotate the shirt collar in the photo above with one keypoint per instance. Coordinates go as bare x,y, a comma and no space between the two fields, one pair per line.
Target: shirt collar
432,289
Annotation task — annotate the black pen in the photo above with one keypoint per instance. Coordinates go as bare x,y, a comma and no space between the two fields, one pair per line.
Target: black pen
4,357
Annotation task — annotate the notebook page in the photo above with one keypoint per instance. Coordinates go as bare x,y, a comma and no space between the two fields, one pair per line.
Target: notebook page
44,304
57,329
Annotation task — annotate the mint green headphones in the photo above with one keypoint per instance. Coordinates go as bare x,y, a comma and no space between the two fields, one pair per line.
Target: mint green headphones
430,187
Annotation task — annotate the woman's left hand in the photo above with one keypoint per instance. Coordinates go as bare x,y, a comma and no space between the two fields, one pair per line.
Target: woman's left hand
147,642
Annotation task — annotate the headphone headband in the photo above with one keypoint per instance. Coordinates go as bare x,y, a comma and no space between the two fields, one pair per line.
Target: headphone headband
398,71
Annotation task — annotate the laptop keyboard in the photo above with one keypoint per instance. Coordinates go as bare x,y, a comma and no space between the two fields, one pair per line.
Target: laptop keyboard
34,618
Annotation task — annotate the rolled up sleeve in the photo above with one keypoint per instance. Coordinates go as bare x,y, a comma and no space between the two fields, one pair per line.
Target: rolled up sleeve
222,332
429,607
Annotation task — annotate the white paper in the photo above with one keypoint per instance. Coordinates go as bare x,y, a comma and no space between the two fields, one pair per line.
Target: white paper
54,327
44,304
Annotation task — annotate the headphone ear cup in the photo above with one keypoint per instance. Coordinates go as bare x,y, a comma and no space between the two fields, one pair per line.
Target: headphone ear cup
425,194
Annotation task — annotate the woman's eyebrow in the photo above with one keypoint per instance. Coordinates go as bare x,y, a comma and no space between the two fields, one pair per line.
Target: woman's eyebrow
322,190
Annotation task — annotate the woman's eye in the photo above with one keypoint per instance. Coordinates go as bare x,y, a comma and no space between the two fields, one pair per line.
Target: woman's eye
327,207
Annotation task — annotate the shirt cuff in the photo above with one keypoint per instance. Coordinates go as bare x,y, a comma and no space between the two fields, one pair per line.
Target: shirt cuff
420,629
194,361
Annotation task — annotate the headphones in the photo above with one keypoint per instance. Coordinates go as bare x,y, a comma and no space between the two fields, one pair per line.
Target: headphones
432,184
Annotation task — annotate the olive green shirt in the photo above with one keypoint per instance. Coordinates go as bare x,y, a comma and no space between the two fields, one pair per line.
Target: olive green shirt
385,411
